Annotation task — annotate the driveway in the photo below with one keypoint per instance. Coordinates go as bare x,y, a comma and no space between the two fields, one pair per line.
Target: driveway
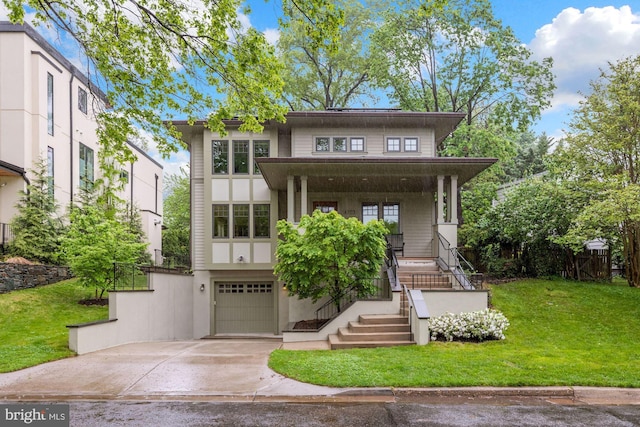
229,369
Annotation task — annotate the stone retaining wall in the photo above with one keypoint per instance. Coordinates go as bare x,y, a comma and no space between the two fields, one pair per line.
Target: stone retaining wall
21,276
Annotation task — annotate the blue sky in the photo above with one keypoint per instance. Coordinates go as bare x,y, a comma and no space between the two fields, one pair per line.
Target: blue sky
581,36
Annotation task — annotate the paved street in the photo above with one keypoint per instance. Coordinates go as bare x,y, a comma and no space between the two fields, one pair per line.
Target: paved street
117,413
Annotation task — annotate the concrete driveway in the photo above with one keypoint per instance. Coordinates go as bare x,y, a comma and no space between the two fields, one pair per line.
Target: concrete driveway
229,369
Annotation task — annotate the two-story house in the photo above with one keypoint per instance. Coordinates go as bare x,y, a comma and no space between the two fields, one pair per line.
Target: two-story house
368,164
47,111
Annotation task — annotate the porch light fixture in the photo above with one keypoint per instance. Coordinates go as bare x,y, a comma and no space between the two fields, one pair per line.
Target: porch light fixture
240,258
202,287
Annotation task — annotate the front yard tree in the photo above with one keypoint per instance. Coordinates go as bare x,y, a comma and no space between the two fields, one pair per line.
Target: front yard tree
329,255
177,216
601,156
36,227
97,238
167,59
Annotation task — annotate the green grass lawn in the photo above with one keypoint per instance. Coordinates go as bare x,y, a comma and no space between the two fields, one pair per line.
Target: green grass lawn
562,333
33,323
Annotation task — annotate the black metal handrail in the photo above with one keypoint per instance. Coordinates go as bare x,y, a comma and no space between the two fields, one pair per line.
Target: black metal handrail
332,308
391,263
453,263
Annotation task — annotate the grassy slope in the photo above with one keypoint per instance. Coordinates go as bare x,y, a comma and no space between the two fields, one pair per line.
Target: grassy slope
33,323
561,333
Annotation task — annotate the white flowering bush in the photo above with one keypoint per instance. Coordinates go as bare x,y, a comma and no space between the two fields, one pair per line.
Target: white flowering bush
473,326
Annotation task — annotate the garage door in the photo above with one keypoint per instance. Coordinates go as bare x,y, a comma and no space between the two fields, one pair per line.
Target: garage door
242,308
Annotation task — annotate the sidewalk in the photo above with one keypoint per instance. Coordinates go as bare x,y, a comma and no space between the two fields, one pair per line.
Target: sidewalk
236,370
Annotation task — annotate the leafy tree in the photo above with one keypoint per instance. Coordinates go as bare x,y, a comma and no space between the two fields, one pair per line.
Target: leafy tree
177,215
530,157
453,55
37,228
176,59
327,254
97,238
322,78
601,158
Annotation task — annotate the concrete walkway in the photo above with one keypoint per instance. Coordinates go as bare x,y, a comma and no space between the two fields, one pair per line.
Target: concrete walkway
233,370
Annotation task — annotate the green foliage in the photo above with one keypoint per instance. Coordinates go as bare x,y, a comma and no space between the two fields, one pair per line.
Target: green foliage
164,60
530,158
327,254
36,227
34,323
561,333
601,158
321,77
98,237
177,215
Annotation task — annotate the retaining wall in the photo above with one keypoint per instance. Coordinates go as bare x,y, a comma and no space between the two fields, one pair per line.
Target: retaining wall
24,276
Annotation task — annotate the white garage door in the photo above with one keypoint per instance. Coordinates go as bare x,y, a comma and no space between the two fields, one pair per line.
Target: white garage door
242,308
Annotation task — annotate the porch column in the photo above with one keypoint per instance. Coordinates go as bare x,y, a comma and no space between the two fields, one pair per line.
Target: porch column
291,198
440,217
303,195
453,207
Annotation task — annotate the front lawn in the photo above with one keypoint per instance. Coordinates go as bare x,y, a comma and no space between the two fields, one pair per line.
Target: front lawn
562,333
34,323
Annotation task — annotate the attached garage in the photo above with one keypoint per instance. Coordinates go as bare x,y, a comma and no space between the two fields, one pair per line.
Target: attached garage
243,308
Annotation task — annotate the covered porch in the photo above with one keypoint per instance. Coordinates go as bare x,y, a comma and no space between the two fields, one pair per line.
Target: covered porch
416,197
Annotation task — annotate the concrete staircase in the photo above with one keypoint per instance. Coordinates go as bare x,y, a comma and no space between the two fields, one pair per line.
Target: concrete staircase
430,276
373,330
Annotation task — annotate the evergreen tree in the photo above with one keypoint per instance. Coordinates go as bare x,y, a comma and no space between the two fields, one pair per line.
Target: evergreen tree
37,228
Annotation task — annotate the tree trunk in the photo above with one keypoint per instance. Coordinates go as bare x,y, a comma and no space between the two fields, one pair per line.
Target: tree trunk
631,251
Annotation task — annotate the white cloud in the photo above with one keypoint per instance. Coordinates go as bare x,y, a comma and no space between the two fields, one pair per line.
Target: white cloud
272,35
582,43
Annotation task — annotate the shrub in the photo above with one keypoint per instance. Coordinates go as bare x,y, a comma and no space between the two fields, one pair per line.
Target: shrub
474,326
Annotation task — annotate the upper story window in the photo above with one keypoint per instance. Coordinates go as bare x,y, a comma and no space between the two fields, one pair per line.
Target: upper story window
357,144
260,149
322,144
82,100
221,221
49,103
338,144
240,156
240,220
86,167
396,144
50,184
220,157
393,144
411,144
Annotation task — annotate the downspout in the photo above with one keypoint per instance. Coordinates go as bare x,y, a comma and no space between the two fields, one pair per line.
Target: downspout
71,137
131,189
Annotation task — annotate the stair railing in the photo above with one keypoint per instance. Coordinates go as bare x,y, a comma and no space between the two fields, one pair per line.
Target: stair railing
450,259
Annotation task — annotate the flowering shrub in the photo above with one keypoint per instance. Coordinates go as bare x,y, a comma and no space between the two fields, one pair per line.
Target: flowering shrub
477,326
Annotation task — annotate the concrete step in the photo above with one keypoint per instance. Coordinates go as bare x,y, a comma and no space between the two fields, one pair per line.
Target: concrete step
336,343
384,319
345,334
358,327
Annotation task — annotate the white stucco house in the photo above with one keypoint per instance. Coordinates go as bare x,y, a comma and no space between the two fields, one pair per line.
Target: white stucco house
47,111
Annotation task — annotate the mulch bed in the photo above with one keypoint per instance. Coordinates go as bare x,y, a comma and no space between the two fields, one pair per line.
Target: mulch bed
309,324
94,301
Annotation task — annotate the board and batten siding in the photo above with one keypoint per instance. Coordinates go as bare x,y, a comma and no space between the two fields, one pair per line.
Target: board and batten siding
197,202
304,140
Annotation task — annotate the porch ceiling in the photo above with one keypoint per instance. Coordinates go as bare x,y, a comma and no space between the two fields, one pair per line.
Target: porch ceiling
7,169
370,174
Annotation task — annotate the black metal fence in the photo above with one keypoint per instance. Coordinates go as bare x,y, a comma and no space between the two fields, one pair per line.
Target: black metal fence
6,235
129,277
169,260
334,307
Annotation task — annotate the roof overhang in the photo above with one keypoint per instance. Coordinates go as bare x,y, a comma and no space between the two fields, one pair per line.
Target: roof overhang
7,169
369,174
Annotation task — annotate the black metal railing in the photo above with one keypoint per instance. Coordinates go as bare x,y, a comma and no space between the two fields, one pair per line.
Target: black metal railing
332,308
450,259
391,263
169,260
129,277
429,281
6,235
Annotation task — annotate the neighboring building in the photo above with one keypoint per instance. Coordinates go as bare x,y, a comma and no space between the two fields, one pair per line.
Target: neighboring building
47,112
368,164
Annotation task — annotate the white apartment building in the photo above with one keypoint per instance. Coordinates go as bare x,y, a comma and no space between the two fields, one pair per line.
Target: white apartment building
46,112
